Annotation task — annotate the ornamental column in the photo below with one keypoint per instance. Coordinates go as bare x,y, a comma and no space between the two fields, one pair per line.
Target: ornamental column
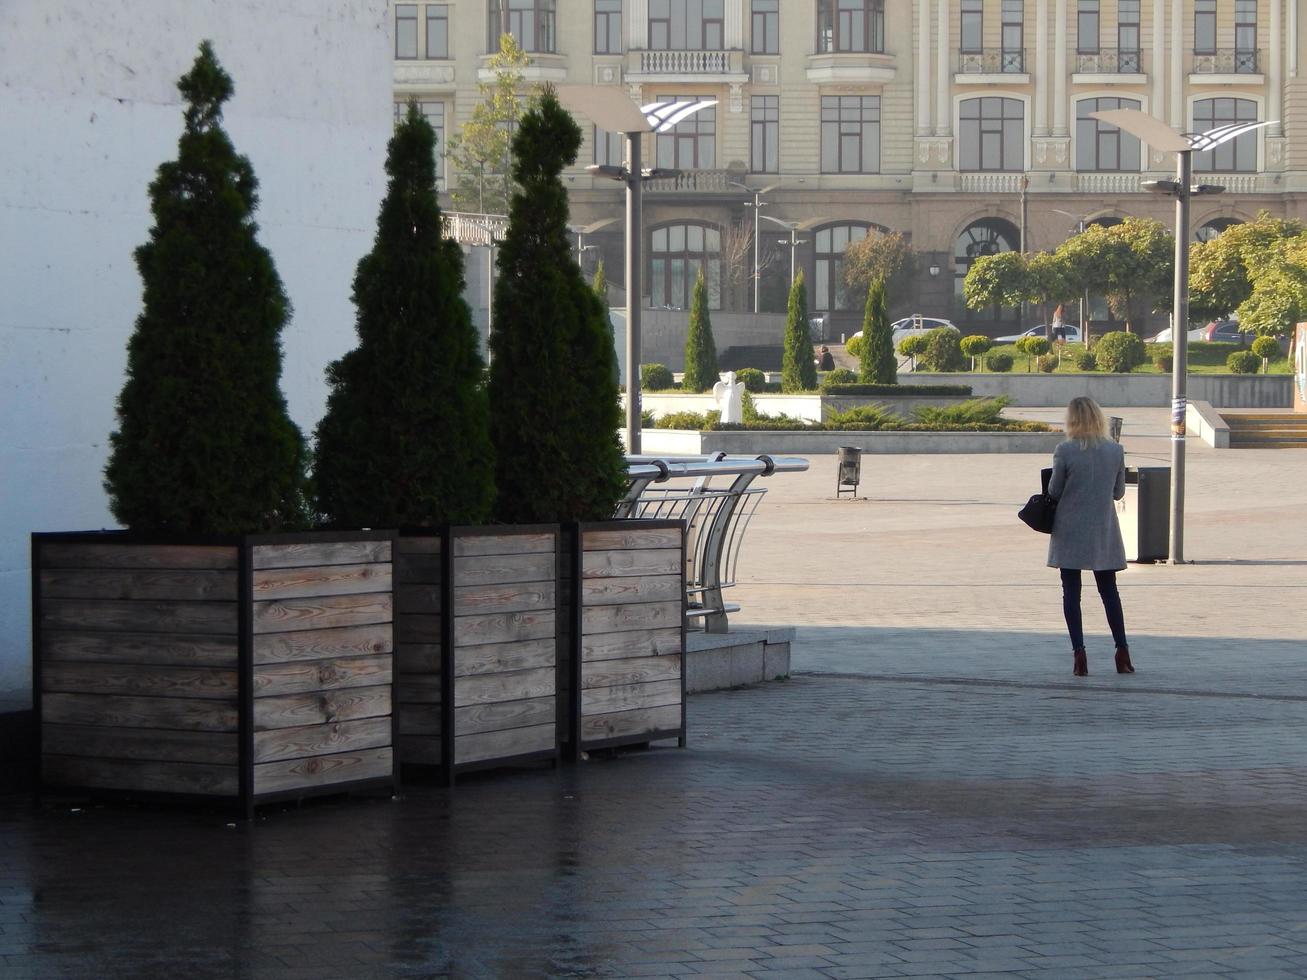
1041,67
1177,116
1275,100
1158,108
1059,70
734,28
637,25
923,67
943,111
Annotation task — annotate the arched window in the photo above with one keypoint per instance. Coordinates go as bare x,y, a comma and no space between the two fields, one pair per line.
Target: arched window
676,254
1211,229
531,22
988,236
828,290
1100,145
1238,155
991,134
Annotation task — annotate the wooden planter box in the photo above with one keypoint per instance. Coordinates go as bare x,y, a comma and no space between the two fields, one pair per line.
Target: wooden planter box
626,668
488,597
243,669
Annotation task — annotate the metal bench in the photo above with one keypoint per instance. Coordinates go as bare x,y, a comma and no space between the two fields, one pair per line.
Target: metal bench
716,518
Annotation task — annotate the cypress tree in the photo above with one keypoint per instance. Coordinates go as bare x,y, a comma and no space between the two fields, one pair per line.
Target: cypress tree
600,284
406,437
204,443
877,364
798,372
554,411
700,350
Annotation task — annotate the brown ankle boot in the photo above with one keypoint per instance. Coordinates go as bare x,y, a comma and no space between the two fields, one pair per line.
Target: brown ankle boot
1123,664
1079,665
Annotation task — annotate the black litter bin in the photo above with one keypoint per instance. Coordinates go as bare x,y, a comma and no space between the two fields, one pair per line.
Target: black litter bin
850,470
1145,513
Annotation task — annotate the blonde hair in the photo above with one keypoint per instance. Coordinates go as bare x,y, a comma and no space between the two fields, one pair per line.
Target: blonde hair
1085,421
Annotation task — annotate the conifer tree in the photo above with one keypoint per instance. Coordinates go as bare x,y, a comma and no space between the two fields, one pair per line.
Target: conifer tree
204,443
798,372
877,364
700,350
406,437
600,284
554,412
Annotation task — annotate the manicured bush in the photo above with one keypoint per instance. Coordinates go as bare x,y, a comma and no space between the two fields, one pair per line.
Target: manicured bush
1047,363
798,372
876,364
1119,352
1164,362
1000,363
685,420
700,350
405,440
943,351
873,417
974,346
854,346
977,411
656,377
892,390
913,346
1243,362
753,379
1086,361
1267,348
840,376
553,398
204,443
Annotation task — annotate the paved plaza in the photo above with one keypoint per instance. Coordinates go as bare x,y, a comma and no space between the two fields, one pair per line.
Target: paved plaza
931,793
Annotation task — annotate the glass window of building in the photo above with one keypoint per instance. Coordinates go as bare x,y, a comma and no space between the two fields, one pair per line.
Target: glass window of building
765,27
829,243
1204,26
1211,229
687,25
850,25
972,37
692,143
608,26
406,30
988,236
1240,154
850,134
991,134
1127,36
437,30
1100,145
676,254
434,113
1245,36
608,148
1087,27
531,22
1013,35
765,137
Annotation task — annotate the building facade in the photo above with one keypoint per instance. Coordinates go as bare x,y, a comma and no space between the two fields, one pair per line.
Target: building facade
964,124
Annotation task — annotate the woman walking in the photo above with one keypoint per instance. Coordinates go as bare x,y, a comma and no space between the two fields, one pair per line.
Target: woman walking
1088,475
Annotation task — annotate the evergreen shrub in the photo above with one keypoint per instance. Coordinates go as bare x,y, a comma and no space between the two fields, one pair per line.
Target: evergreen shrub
753,379
700,350
1267,348
840,376
798,372
1086,361
854,346
1119,352
1243,362
943,350
876,364
656,377
1047,363
999,363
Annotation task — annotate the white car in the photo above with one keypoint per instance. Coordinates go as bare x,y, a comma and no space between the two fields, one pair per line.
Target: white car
1072,334
910,325
1165,336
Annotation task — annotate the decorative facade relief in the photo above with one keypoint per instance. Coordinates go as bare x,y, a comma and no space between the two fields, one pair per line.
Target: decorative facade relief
766,74
1050,152
608,74
424,74
1275,151
935,152
737,97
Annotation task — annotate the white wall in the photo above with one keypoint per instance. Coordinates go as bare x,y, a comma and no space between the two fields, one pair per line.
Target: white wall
88,110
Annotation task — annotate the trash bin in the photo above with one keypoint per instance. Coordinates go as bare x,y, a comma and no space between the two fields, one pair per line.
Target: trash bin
1114,423
1145,513
850,470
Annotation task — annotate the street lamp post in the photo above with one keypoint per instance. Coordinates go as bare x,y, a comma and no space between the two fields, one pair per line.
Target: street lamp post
757,206
1160,136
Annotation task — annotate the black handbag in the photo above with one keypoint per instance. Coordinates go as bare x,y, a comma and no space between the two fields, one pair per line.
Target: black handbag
1040,509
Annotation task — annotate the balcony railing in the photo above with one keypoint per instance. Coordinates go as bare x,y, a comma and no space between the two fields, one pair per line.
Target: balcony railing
1109,61
989,183
1228,61
1108,183
992,61
692,181
684,62
474,229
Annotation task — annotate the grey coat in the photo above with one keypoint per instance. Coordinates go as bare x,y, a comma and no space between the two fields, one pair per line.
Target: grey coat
1085,482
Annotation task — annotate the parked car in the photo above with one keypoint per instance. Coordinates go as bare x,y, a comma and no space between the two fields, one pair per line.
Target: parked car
1227,331
910,325
1164,336
1072,334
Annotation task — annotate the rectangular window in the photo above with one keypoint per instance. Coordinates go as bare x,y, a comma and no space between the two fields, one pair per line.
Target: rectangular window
609,148
406,30
1087,27
765,37
1127,36
692,143
764,146
531,22
1013,35
991,134
850,134
1204,26
434,113
1240,154
437,30
687,25
1101,146
1245,36
972,26
850,25
608,26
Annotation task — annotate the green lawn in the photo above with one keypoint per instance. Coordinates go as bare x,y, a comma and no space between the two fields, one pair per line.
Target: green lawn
1204,358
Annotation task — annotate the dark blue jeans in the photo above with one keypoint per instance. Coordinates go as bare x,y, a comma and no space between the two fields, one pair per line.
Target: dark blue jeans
1106,582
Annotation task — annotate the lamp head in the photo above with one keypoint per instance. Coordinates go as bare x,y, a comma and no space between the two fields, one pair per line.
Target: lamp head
608,170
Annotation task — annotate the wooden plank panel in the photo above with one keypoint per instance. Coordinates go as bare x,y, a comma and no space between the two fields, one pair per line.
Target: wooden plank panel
504,745
627,724
419,719
420,750
344,736
503,627
139,616
424,599
301,676
621,564
323,770
297,710
629,539
272,648
124,555
617,591
477,600
141,777
493,658
631,643
505,544
413,628
417,688
314,580
614,673
417,658
514,685
213,748
116,711
630,696
320,553
418,544
321,612
477,718
194,650
642,616
418,569
141,681
122,583
498,569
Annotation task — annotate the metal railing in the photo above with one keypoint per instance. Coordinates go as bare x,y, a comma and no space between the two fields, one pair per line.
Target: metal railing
713,181
1109,61
716,518
475,229
1226,61
992,61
